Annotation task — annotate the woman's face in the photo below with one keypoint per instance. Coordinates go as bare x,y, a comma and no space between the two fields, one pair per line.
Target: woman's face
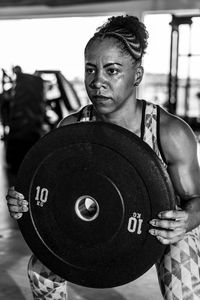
110,76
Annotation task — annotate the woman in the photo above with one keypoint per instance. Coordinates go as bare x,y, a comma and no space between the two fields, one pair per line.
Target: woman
113,70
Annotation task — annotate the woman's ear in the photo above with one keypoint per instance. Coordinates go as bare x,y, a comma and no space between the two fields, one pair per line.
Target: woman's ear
138,75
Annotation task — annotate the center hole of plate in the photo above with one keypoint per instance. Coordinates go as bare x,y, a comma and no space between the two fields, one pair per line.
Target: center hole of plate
86,208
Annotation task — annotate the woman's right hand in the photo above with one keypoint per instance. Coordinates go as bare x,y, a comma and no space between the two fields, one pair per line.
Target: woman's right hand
17,205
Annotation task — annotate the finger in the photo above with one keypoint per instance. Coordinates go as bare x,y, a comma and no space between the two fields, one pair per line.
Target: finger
12,193
16,215
167,224
167,234
17,209
163,241
173,214
14,201
11,190
14,209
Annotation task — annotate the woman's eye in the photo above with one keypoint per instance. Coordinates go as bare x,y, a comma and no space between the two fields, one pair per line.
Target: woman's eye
112,71
89,71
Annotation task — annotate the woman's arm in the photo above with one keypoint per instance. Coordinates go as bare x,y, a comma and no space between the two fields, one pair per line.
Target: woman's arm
179,146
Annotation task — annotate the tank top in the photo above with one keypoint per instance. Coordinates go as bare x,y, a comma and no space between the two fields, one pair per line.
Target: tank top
149,126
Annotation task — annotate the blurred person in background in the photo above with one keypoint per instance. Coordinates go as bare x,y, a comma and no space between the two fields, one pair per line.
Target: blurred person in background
26,116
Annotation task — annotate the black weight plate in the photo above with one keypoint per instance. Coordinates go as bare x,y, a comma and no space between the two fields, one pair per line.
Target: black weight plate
111,165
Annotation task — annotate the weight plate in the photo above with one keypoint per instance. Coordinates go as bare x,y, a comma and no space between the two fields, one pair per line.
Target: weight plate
92,189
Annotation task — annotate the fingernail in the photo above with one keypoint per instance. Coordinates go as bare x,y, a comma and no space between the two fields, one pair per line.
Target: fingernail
152,232
20,196
153,222
18,216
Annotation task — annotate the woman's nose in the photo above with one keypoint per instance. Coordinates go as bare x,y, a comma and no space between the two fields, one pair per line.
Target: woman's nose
98,81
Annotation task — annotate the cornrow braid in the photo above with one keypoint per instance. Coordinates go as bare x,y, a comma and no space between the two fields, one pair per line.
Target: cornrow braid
127,29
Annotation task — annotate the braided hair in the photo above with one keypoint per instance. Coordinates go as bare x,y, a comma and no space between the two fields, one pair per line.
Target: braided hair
129,31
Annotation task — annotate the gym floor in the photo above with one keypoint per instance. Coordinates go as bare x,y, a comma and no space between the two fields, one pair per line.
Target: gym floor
14,256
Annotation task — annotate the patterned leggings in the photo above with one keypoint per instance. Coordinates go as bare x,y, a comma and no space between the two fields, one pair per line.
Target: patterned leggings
178,273
179,269
45,284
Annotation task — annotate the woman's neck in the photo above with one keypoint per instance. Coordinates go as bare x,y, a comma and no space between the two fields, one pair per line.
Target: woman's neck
129,119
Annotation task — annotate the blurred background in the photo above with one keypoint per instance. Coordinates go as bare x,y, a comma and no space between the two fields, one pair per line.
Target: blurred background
47,38
41,81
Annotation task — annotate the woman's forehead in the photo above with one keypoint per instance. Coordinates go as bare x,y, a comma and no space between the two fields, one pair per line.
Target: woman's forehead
107,46
106,42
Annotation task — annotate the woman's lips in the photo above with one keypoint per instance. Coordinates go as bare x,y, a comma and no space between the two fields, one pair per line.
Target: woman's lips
100,98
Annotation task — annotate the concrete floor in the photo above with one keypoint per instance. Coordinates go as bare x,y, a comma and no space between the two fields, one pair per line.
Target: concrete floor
14,256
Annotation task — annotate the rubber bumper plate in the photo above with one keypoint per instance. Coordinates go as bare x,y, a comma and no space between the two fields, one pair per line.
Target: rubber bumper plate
92,189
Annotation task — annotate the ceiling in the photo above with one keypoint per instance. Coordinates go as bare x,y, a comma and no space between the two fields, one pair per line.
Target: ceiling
10,9
18,3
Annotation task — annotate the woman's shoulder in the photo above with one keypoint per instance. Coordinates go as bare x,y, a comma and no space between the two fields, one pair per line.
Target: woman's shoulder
74,117
173,124
176,135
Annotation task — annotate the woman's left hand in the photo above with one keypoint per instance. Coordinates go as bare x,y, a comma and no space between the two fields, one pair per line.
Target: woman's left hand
170,227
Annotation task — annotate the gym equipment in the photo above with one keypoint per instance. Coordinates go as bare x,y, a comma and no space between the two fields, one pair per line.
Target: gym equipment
92,189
